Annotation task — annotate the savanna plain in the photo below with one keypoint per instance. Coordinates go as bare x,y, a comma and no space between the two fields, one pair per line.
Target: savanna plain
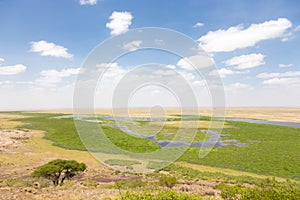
247,161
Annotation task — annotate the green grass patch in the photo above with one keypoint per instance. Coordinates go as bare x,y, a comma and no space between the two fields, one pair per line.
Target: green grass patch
63,133
156,165
192,174
18,182
158,195
267,190
89,183
128,184
270,150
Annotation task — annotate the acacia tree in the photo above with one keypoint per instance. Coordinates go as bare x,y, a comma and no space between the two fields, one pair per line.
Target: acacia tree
59,170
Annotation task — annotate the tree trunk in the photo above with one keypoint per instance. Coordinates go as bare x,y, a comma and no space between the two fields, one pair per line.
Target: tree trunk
62,180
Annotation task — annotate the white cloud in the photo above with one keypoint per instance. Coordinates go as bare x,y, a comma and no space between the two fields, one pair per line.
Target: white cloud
289,78
133,45
114,72
238,86
268,75
187,76
238,37
283,81
88,2
45,48
297,28
223,72
285,65
278,75
13,69
199,61
198,24
1,59
52,76
246,61
285,39
198,83
119,22
171,66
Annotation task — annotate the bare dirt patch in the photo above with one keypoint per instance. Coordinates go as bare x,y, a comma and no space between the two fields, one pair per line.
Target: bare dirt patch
11,140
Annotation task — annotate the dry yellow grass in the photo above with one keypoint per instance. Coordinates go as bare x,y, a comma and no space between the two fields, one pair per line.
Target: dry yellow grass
192,124
272,114
6,123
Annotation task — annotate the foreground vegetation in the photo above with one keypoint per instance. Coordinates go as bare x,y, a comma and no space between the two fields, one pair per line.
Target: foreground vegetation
148,189
268,189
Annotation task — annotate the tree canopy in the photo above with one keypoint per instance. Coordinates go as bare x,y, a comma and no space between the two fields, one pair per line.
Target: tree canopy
59,170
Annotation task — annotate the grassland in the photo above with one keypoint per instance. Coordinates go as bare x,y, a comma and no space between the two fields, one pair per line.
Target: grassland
270,151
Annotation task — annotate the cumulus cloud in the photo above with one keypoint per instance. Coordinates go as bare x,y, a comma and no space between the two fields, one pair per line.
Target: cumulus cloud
246,61
52,76
133,45
13,69
238,37
114,72
1,59
88,2
198,24
45,48
119,22
199,61
285,65
171,66
223,72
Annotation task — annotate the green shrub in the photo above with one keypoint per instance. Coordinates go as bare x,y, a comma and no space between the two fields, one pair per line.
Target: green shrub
90,183
41,182
167,181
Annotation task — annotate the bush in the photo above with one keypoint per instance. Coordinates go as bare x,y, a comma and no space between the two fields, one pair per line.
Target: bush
167,181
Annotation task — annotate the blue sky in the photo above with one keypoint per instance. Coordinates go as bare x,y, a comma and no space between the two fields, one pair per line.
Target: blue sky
44,43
